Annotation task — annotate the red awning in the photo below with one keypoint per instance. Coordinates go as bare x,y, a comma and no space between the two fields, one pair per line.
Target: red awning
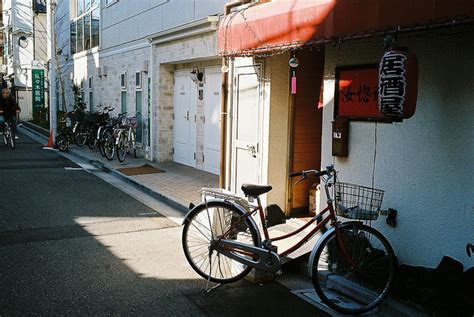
272,24
284,23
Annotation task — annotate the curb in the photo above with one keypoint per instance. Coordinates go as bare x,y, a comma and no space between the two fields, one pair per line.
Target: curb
137,184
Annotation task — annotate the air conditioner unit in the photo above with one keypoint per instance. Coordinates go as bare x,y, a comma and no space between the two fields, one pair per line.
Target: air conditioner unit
144,66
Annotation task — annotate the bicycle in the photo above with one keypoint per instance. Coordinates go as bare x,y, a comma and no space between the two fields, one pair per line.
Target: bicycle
9,135
125,138
66,136
352,266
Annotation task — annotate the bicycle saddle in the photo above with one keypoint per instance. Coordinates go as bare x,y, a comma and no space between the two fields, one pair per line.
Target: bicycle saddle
255,190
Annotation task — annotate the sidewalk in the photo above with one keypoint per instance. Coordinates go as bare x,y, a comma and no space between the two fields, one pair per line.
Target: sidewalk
177,186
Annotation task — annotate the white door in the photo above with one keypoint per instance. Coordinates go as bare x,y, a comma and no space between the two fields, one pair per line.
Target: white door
184,119
212,102
246,113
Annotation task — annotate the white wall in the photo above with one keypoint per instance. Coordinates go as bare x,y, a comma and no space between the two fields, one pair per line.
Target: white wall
424,163
128,21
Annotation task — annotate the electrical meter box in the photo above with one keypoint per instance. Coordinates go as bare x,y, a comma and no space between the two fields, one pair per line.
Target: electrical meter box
340,138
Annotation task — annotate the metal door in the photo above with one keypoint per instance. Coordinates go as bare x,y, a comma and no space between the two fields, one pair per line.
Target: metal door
246,121
212,101
184,119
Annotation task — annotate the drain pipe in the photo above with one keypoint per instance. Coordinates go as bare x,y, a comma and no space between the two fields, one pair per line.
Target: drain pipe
224,95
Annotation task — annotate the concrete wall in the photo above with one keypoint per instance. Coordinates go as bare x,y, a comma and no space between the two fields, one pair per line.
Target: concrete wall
424,163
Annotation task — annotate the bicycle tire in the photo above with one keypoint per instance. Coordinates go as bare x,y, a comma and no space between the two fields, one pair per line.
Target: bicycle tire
12,140
92,139
5,135
62,142
104,134
360,286
122,148
194,235
109,147
80,136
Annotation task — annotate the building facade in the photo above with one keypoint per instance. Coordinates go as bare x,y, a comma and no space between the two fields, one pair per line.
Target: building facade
144,58
421,162
24,35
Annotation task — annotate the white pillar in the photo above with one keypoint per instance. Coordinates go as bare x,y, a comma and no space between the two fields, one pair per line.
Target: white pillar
52,69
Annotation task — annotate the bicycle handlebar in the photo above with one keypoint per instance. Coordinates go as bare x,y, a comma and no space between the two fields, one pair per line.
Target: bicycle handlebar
316,173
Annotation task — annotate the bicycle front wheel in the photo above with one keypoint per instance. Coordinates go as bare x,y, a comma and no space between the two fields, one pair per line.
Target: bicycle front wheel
11,135
122,147
109,147
81,135
203,226
353,269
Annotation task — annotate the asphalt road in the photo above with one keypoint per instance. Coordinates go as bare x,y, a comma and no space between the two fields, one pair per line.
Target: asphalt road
73,244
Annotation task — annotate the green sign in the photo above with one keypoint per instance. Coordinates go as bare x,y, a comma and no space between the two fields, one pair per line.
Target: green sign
38,88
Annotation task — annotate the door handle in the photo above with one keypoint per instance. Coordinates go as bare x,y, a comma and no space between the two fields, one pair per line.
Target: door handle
252,150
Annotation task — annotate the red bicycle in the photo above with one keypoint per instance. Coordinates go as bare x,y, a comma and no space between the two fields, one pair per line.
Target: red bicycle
352,265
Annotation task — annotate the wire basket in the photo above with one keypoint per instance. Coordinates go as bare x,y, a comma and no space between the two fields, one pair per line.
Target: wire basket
357,202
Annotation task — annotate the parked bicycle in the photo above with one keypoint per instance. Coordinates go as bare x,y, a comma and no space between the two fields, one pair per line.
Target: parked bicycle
9,135
352,266
125,138
66,136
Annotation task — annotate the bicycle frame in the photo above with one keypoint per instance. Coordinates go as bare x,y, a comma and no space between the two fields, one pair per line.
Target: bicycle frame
319,216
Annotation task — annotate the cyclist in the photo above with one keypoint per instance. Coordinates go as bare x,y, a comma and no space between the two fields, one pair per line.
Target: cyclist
8,110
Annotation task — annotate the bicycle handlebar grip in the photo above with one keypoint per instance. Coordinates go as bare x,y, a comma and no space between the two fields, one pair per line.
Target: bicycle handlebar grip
296,174
322,173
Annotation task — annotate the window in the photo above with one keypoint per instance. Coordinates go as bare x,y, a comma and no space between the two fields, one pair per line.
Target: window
138,110
84,29
73,37
123,81
110,2
138,80
123,101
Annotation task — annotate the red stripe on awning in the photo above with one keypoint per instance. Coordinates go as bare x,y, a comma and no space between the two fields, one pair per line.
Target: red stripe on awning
273,24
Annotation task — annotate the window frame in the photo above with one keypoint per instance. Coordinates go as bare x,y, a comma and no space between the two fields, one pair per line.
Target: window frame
75,18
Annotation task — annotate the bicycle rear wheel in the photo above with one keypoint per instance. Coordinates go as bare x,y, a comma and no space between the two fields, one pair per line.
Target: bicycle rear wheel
62,142
208,222
353,270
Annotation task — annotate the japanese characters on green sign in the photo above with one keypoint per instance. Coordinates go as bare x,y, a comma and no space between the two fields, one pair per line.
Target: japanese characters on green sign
38,88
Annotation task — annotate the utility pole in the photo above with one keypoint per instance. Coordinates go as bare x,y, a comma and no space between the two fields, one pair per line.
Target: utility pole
52,69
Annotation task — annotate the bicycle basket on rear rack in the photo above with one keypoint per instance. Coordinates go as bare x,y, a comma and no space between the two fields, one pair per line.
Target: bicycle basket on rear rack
357,202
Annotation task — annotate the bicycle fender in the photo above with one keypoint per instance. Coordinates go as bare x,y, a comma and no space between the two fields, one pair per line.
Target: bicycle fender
222,201
318,243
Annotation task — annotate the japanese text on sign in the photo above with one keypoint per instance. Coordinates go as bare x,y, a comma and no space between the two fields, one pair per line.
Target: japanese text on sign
392,84
357,91
38,88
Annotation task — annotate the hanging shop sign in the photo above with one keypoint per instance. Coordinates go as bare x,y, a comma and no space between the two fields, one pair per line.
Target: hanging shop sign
356,95
398,84
37,88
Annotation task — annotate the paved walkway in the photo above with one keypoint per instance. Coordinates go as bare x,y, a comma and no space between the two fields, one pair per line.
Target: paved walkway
177,186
